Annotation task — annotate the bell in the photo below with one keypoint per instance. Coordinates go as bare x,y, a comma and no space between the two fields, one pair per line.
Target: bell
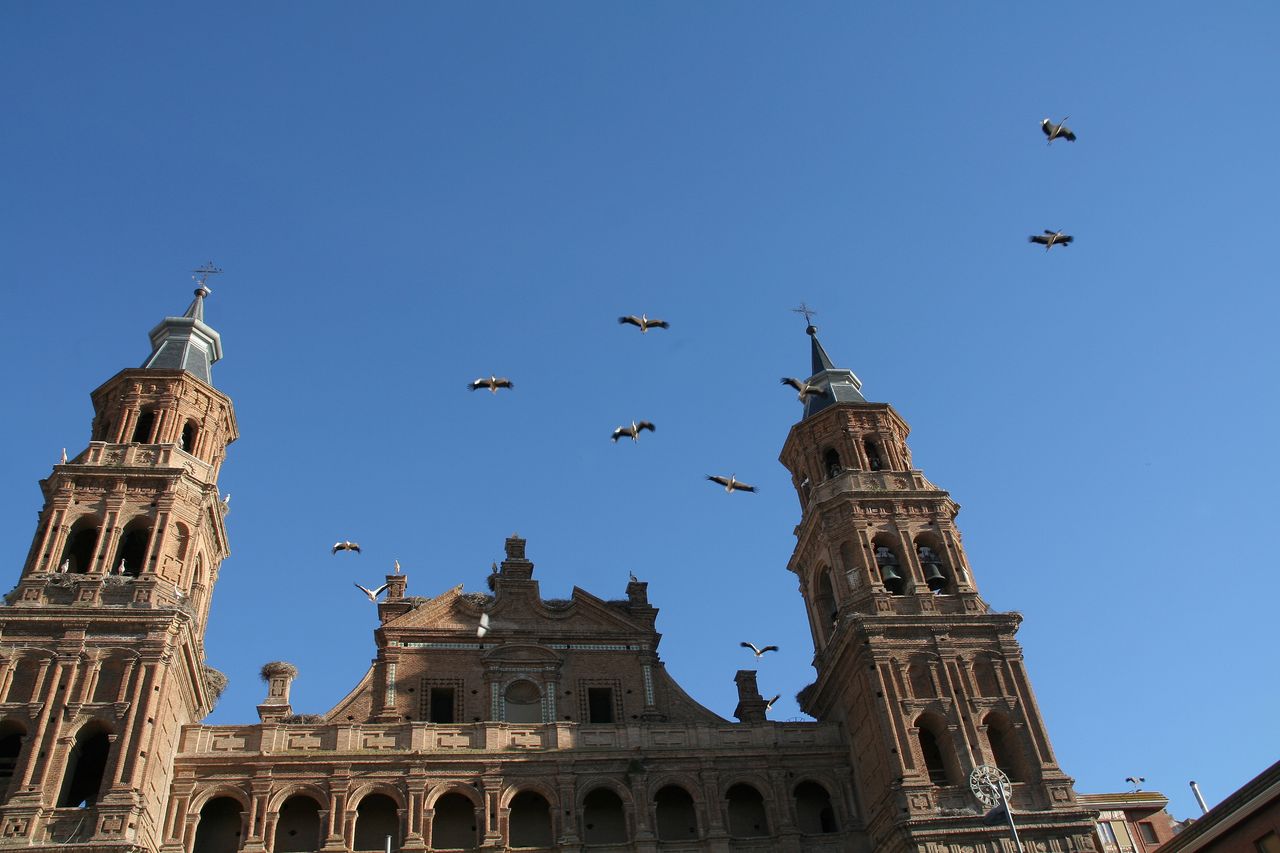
892,580
934,577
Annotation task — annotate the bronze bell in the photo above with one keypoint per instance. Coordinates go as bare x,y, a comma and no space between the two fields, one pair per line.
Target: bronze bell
934,577
892,580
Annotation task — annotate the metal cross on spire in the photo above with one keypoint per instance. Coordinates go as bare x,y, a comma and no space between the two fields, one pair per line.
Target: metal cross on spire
202,274
808,313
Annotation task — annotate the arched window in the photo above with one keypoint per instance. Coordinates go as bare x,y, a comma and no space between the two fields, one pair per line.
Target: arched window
77,556
143,428
604,820
86,765
376,818
530,823
935,570
747,817
892,573
523,702
813,809
219,827
298,826
874,461
1003,741
935,750
825,604
11,734
676,817
132,553
454,824
831,466
190,433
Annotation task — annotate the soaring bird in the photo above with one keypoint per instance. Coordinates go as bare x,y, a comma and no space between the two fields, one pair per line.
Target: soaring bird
758,652
483,627
633,431
643,322
803,389
1136,782
768,706
493,383
346,546
1057,131
372,594
731,483
1051,238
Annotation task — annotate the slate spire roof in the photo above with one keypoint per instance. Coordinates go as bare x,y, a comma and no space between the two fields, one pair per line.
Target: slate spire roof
839,385
186,343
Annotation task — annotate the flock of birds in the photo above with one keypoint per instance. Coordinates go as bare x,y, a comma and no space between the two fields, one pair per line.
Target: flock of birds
804,390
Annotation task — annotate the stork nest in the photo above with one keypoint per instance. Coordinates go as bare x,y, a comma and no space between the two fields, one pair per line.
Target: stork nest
214,681
557,603
277,668
303,719
479,599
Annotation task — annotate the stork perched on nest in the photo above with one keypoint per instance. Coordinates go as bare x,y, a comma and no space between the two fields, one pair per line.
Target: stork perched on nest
633,431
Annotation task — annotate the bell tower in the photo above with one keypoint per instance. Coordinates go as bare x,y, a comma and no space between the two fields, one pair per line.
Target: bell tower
102,639
927,681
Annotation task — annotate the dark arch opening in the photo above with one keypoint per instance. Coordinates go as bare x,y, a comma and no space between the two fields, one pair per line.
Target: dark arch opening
142,429
676,817
219,827
813,809
132,553
1001,736
298,825
530,822
377,817
190,432
874,460
747,818
604,818
454,825
77,556
11,734
935,750
825,602
86,765
936,574
831,465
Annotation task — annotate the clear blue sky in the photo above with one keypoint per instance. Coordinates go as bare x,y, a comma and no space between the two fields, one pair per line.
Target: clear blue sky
407,196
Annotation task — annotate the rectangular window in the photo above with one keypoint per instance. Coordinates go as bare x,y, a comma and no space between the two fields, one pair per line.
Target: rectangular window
1269,843
1148,833
600,704
440,707
1108,837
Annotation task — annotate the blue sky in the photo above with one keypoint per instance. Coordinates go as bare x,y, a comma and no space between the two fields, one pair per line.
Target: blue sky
408,196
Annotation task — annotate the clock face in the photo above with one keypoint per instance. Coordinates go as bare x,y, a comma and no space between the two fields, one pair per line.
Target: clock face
983,781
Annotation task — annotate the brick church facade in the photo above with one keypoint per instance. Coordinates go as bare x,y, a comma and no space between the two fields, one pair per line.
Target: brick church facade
502,720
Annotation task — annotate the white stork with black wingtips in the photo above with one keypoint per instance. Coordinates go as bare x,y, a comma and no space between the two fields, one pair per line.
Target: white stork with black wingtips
643,323
731,483
803,389
493,383
758,652
1051,238
1057,131
633,431
372,594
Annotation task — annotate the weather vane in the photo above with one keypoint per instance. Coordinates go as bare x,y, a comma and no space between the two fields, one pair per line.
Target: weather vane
202,274
808,313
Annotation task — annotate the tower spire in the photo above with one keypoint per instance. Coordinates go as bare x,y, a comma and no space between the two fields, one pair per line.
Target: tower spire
838,385
186,342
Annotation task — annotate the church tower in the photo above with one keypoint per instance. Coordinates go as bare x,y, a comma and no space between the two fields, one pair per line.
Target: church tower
102,639
927,681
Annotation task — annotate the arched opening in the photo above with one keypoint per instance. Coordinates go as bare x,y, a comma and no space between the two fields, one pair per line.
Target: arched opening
874,461
825,603
813,809
11,734
376,818
677,819
86,765
984,673
219,827
143,428
831,465
530,823
77,556
298,825
190,433
921,680
936,574
604,819
523,702
454,825
747,818
892,573
935,750
132,553
1003,741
